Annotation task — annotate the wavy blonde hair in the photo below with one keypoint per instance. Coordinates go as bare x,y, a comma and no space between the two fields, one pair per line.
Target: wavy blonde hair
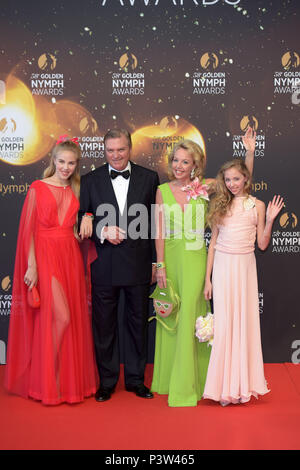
195,151
50,170
222,198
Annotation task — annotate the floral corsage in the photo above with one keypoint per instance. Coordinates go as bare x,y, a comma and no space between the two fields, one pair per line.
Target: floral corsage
248,203
195,190
205,329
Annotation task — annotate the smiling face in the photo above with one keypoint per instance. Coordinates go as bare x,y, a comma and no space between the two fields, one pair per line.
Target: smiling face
65,164
182,165
162,308
117,152
235,181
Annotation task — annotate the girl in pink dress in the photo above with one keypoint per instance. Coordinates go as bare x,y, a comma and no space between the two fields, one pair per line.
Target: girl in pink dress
236,371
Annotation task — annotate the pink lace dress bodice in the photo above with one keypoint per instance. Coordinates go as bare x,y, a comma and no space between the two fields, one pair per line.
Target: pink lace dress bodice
237,233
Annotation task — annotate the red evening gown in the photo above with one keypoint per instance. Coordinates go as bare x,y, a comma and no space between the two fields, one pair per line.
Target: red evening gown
50,354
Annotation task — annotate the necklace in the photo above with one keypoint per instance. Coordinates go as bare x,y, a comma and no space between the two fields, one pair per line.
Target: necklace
58,183
181,185
63,186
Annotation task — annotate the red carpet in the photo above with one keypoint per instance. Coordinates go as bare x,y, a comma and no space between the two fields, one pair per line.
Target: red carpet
129,422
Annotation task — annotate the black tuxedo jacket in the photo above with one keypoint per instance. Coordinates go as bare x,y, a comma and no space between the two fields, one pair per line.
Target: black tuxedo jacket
128,263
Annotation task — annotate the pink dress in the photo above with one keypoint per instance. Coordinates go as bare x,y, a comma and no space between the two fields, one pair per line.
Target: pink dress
236,371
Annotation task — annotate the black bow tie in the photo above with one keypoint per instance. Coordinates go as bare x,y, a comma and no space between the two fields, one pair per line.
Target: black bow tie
114,174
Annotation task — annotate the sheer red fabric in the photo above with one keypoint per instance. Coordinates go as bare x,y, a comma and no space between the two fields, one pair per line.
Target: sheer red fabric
50,354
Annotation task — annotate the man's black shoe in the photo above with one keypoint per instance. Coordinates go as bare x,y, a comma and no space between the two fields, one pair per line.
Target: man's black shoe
103,394
140,390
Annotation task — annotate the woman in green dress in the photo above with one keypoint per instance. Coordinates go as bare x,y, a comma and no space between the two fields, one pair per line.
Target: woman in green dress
181,361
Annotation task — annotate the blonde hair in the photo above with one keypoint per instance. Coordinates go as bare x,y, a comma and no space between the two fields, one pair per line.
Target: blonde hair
222,198
195,151
50,170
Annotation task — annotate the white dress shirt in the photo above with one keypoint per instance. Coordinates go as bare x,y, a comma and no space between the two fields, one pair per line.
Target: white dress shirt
120,186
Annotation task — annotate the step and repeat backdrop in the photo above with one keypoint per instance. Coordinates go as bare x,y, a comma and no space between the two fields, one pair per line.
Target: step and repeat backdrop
165,70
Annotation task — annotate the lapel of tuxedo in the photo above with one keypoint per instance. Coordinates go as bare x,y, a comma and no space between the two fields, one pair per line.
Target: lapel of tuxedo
135,186
108,190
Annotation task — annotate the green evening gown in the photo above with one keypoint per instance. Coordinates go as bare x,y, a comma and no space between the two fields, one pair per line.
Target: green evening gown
181,362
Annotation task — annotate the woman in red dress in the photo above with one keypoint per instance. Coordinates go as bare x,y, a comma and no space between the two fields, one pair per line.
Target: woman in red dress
50,353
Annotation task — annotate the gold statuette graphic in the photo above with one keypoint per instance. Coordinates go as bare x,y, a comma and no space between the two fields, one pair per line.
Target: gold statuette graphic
47,62
209,61
20,138
248,121
6,284
290,60
128,62
30,125
288,220
152,144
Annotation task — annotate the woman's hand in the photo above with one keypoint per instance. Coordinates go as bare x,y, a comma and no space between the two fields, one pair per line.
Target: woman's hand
208,290
161,277
274,208
31,277
249,139
86,227
153,277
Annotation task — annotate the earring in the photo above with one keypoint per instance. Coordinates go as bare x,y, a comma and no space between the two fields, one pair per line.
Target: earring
193,173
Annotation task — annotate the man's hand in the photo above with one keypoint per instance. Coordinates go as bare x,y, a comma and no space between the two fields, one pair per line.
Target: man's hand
114,234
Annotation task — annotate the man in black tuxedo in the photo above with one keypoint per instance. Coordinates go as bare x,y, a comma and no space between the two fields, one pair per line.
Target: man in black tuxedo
116,194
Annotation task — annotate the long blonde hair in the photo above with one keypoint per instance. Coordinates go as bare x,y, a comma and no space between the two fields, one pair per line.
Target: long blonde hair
222,198
50,170
195,151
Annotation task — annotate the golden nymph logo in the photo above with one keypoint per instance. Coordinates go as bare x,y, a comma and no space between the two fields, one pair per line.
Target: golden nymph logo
248,120
209,81
287,81
128,62
47,83
5,299
290,61
287,239
288,220
11,138
30,125
19,136
128,82
6,284
209,61
47,62
90,142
